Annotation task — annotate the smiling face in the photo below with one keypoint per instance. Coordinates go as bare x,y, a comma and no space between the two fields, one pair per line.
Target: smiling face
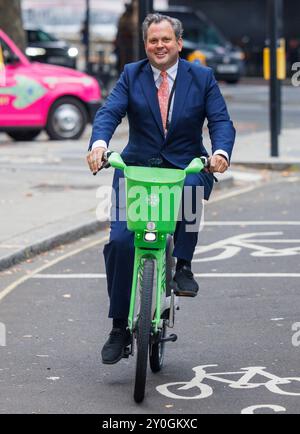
161,46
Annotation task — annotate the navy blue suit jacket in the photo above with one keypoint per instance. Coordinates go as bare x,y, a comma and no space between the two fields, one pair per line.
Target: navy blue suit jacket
197,96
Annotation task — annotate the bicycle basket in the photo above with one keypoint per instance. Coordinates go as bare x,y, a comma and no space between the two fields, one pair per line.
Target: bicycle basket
153,195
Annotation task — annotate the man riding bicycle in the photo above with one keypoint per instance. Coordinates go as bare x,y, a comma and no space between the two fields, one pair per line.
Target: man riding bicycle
166,100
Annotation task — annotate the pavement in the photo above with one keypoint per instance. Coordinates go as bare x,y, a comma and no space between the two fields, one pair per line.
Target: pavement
48,197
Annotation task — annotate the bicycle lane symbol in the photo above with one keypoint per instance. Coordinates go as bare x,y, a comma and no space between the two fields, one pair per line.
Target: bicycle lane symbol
200,390
233,245
252,408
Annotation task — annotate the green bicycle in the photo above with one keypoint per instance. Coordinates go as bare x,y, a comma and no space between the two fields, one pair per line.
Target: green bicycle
153,198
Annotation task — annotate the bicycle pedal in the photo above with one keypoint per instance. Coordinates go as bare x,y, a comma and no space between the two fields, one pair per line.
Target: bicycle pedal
182,293
170,338
127,352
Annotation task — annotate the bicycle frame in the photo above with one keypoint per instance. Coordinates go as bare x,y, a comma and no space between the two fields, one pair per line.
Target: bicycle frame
159,257
154,248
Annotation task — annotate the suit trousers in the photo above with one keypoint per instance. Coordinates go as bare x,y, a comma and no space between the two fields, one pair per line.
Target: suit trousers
119,251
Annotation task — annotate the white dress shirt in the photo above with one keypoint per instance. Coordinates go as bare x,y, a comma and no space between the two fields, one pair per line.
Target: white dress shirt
171,74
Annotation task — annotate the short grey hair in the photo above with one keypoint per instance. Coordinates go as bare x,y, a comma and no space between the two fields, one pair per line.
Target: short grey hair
158,18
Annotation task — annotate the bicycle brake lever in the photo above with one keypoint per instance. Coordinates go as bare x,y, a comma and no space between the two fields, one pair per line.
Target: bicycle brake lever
105,164
105,158
206,164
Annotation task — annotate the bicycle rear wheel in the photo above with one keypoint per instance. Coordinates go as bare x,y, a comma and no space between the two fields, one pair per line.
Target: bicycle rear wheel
144,329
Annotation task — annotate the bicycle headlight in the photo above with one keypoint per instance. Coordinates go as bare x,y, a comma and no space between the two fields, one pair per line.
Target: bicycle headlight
150,236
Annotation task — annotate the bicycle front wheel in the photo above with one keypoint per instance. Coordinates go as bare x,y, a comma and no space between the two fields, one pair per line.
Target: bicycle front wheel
157,350
143,329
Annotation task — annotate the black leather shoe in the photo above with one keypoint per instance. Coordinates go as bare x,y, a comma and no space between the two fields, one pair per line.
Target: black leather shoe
113,349
186,285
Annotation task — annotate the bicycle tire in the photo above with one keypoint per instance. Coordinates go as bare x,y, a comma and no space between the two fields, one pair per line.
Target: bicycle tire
170,265
157,352
143,330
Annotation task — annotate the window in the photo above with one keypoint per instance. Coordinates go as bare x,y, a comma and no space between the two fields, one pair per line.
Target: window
203,34
39,36
8,55
198,30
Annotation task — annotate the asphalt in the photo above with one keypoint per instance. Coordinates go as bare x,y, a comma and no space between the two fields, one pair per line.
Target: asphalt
55,307
48,197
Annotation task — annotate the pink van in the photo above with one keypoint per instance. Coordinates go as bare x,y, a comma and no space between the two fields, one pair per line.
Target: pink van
37,96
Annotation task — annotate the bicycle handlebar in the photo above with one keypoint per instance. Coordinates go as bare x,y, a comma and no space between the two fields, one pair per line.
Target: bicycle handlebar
105,158
107,154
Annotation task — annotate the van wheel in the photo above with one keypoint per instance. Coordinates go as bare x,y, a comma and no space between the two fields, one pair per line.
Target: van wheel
67,119
23,135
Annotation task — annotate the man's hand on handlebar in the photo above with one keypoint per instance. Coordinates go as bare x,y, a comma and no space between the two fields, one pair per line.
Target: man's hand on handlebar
95,159
218,163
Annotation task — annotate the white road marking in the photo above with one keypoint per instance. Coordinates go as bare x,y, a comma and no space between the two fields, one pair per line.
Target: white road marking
275,241
11,246
250,410
70,276
247,274
103,275
273,383
23,279
252,223
233,194
231,246
2,334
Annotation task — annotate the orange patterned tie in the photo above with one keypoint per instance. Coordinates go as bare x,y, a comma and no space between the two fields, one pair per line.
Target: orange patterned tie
163,98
